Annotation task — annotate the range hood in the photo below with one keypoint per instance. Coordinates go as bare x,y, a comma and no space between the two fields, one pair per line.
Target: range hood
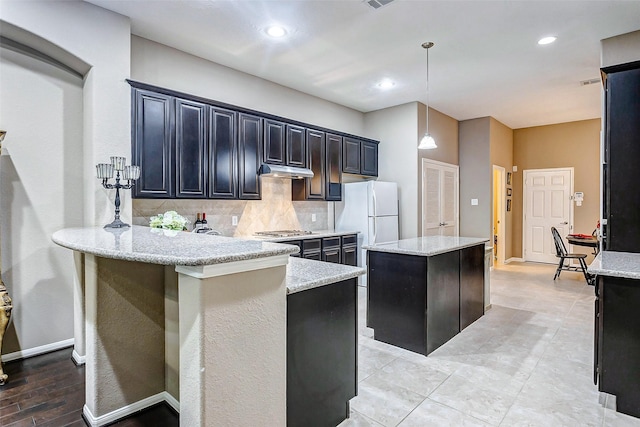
287,172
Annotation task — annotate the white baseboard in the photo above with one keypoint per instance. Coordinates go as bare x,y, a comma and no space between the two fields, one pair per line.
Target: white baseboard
172,401
128,410
513,259
77,359
35,351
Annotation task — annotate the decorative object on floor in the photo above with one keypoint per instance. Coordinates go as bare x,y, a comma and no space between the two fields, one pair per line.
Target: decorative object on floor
508,178
427,142
169,220
105,172
508,205
5,300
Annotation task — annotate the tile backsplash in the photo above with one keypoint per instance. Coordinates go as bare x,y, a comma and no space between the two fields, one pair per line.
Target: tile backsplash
275,211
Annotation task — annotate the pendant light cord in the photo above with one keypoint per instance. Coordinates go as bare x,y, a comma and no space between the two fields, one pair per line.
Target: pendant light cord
427,45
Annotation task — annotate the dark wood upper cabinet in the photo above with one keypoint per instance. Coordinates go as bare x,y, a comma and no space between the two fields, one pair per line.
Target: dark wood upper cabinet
249,156
621,175
360,156
223,154
333,166
296,146
351,155
312,188
369,158
191,149
152,148
274,142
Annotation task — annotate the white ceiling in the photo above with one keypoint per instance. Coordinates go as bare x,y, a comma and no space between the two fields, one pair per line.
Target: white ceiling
485,62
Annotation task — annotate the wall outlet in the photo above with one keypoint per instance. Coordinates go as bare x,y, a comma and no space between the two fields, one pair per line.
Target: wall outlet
313,217
234,220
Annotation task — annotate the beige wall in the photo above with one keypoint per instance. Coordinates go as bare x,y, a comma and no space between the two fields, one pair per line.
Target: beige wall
620,49
398,129
475,178
163,66
501,141
574,144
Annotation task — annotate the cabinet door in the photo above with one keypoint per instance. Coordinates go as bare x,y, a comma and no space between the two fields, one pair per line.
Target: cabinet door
315,161
296,146
223,154
369,158
471,285
249,155
153,125
191,149
443,298
334,168
274,142
622,127
349,255
351,155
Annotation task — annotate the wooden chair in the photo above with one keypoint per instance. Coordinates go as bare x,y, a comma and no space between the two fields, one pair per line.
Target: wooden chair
561,252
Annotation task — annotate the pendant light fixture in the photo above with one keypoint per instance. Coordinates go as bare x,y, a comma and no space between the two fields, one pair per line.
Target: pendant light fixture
427,142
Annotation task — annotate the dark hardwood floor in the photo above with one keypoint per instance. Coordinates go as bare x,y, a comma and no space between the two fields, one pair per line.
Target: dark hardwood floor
48,390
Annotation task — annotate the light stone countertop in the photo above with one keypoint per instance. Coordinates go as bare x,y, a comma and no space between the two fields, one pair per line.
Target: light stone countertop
166,247
616,264
304,274
426,246
316,235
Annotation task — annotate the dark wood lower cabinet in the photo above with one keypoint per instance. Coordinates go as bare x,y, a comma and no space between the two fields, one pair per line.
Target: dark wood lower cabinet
420,302
321,354
471,285
617,341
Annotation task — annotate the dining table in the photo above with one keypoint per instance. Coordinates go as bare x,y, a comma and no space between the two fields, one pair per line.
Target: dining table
587,240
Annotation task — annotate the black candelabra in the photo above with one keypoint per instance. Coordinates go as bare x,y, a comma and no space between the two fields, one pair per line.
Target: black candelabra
105,171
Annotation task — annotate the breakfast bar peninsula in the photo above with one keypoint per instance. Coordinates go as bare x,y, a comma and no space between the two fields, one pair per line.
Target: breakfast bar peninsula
168,315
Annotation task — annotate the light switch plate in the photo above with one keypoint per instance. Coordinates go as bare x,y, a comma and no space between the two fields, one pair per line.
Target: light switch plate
474,202
234,220
313,217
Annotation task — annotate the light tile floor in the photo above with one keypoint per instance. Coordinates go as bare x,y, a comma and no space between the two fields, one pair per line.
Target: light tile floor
527,362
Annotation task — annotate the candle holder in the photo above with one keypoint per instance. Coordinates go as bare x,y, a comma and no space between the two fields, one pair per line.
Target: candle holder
105,172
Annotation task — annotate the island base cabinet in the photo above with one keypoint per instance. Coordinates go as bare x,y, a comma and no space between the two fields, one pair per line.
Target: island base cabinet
321,354
618,341
396,296
420,302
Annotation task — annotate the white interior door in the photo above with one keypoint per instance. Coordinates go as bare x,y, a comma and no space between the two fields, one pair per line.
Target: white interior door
439,198
547,203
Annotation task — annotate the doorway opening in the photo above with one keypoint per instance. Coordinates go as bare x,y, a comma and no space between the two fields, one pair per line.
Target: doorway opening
499,195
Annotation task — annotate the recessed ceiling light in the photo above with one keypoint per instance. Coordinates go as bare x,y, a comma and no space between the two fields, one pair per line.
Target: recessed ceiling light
276,31
547,40
386,84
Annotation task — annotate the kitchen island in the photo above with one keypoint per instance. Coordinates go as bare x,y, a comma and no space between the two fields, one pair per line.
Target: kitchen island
616,362
421,292
167,314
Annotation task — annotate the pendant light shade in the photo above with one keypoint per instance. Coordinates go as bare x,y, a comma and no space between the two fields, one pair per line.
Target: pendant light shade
427,142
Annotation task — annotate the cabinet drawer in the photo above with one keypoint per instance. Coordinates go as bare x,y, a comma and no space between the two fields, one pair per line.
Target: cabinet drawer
351,239
311,245
297,243
331,242
331,255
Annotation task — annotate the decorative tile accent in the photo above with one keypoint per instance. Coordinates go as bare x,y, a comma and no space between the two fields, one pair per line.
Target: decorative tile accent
276,211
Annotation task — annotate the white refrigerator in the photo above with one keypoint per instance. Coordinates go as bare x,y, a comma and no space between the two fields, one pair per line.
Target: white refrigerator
371,208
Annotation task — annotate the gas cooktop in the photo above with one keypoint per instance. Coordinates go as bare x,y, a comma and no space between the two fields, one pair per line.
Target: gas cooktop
283,233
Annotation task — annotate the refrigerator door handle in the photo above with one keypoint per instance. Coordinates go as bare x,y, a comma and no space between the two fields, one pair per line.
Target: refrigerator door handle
374,231
375,203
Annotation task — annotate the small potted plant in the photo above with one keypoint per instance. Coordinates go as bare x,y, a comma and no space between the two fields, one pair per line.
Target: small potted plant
170,223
